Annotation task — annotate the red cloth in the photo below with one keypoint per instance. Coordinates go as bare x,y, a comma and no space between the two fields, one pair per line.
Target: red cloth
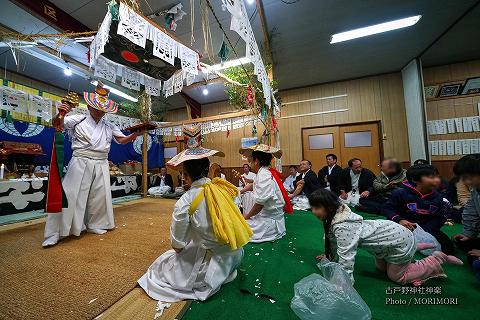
278,178
54,187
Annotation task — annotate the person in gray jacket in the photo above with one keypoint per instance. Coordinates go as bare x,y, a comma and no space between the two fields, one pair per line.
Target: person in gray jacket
469,241
390,177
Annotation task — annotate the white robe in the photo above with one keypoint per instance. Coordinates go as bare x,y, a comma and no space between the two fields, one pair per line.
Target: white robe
87,181
199,270
269,223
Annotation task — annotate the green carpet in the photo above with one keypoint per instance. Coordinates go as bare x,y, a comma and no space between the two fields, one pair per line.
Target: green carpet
264,286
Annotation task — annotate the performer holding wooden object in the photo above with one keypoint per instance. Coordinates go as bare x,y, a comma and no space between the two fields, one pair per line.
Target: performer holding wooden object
87,181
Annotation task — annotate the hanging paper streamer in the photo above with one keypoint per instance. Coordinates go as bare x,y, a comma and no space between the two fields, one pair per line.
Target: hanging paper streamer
132,26
153,86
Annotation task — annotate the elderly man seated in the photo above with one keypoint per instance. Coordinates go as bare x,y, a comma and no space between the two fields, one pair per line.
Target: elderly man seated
356,182
390,178
305,184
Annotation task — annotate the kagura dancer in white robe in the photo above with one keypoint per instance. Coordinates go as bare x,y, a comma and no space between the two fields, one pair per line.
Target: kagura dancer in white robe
87,181
207,242
266,217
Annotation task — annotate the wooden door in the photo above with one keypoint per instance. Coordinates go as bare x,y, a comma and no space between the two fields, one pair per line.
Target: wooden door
348,141
361,141
318,142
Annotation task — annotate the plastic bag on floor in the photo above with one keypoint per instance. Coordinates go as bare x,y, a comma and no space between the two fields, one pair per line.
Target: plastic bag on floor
422,236
329,297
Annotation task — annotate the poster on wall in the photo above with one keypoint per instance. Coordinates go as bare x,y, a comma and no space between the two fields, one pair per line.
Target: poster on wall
170,152
248,142
472,85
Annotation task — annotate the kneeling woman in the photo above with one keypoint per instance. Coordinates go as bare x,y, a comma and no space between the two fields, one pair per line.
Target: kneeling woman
271,199
207,235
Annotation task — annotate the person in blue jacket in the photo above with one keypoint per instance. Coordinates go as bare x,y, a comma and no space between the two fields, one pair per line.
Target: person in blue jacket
417,202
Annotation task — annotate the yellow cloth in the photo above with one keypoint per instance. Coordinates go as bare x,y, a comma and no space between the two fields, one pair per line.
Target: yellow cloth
229,226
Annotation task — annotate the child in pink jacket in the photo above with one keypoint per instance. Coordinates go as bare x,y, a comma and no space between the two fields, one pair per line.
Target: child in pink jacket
392,244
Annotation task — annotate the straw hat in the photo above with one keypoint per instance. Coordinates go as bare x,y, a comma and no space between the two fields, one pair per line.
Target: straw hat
194,149
99,99
247,152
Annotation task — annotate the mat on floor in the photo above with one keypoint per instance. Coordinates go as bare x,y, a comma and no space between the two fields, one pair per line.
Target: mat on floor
80,277
264,286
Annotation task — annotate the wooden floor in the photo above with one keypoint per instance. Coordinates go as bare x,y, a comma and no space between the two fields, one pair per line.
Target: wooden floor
137,305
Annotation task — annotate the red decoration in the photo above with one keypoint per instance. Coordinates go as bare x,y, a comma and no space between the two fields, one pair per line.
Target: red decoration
278,179
249,95
129,56
273,126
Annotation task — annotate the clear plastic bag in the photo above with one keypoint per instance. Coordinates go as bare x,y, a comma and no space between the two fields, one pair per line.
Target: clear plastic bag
331,297
422,236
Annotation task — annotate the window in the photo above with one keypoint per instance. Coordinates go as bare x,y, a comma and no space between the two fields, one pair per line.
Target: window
358,139
169,153
320,141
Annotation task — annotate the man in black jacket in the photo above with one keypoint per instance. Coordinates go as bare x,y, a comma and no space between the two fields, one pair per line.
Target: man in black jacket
307,181
163,179
356,182
329,176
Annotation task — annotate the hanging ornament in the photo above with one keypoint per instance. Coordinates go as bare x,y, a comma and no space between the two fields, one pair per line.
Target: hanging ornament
174,15
264,113
113,8
249,95
176,139
224,51
254,130
273,125
203,138
228,133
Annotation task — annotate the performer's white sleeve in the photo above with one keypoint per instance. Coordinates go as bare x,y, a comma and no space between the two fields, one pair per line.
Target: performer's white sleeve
179,232
263,188
70,121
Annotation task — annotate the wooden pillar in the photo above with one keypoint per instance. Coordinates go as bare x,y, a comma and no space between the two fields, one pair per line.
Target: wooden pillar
145,164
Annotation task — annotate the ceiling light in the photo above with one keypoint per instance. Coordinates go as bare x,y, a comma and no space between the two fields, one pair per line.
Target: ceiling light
67,71
117,92
228,64
250,1
377,28
205,92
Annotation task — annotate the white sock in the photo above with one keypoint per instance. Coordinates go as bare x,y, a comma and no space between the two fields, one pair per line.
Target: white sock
97,231
51,240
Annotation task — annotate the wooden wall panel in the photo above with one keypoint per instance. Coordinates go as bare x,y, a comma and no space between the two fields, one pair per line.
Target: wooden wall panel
368,99
454,107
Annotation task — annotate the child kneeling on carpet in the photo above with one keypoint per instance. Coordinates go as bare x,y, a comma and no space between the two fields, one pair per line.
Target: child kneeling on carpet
392,244
468,168
207,233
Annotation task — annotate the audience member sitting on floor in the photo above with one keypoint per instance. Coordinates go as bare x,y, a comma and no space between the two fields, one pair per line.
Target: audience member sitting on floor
307,181
468,168
207,234
418,202
392,245
355,182
444,183
162,183
391,177
266,217
290,180
329,176
458,193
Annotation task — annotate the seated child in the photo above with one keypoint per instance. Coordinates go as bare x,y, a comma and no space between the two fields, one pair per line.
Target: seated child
418,202
392,245
468,167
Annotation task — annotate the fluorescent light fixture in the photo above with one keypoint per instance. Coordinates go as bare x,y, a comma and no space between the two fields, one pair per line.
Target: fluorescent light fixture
116,92
205,92
228,64
250,1
377,28
67,71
